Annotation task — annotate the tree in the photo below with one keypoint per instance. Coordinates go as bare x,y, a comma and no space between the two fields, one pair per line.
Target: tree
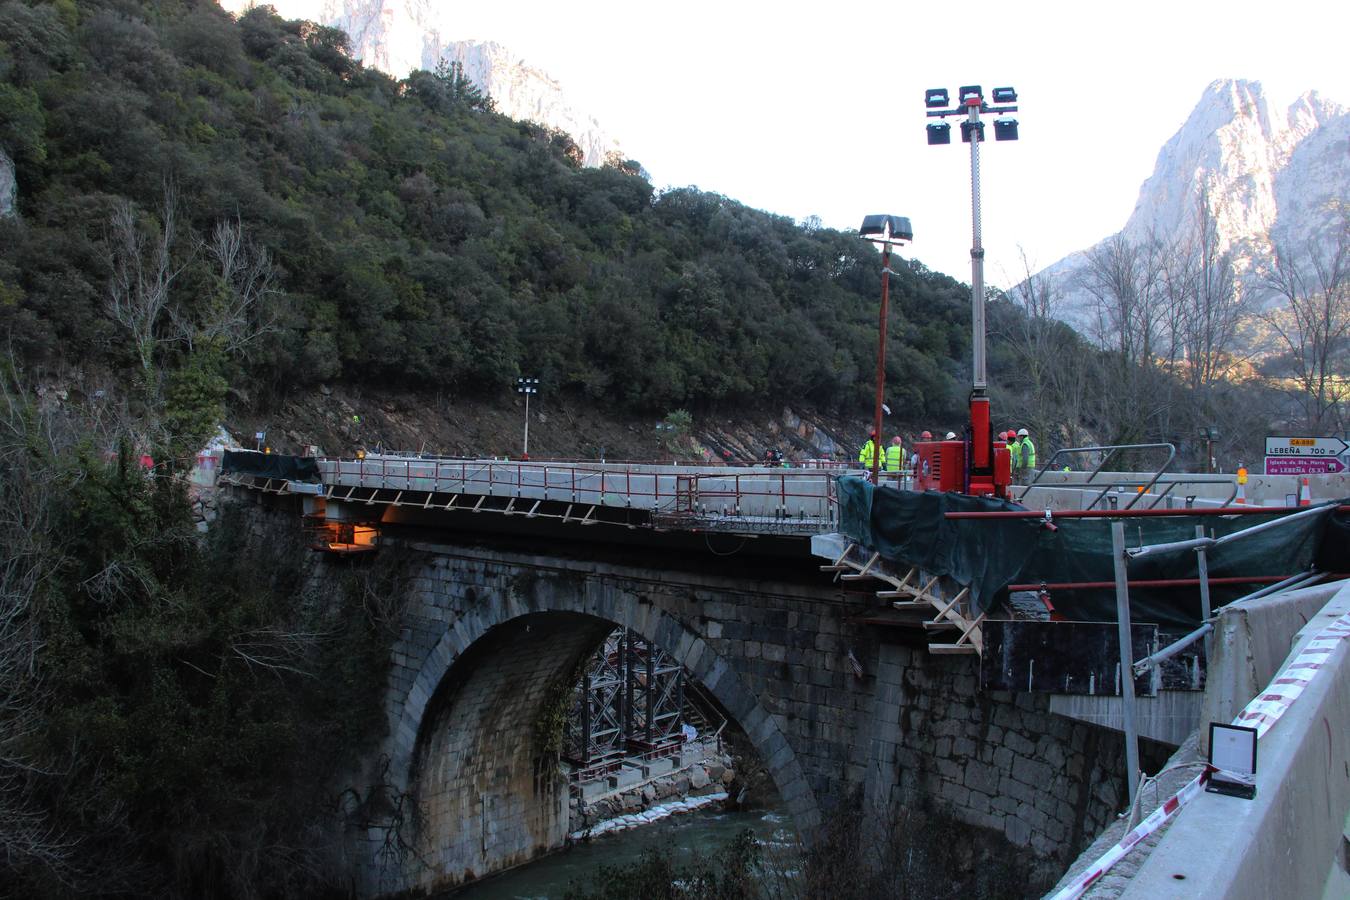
1211,306
238,314
1312,322
141,259
29,840
1125,280
1054,364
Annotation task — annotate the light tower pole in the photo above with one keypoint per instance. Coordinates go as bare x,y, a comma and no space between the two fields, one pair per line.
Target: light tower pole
527,386
970,105
888,231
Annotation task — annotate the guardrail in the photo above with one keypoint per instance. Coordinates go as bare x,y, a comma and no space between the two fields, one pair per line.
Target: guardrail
776,493
1107,452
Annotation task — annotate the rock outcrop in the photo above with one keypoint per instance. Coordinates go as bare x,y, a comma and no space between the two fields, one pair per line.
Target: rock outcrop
399,36
9,187
1266,173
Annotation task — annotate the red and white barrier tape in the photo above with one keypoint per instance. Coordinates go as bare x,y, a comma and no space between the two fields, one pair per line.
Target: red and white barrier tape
1262,713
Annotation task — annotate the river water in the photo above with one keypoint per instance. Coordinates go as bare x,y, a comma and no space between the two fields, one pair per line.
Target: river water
686,837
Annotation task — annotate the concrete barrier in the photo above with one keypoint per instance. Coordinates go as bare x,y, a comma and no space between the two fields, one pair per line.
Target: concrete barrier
1262,490
1250,643
1283,842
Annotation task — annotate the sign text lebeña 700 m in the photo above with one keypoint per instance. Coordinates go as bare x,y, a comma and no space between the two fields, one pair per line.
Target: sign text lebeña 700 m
1326,447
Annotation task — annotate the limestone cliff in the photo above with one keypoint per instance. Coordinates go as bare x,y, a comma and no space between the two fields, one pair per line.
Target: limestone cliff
1267,173
398,36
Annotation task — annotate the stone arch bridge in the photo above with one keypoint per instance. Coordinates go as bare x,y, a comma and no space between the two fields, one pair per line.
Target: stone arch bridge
837,709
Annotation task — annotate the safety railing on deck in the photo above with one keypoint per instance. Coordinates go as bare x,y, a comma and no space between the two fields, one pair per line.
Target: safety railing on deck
1107,451
680,491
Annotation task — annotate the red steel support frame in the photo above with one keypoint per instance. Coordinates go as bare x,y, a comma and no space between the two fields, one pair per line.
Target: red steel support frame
1158,582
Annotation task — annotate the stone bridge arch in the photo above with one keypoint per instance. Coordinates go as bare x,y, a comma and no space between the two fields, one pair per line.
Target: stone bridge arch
474,674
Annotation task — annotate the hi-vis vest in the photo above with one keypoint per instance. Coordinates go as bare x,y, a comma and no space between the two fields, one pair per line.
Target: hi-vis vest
895,458
1028,453
868,450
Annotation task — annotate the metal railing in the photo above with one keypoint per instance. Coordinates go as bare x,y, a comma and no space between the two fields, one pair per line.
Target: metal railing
678,490
1201,544
1108,451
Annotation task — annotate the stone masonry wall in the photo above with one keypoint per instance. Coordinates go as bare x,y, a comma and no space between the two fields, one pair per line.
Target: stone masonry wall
834,708
487,794
994,759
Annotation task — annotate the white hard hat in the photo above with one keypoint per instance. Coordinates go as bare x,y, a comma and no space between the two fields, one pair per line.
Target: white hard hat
1021,432
951,435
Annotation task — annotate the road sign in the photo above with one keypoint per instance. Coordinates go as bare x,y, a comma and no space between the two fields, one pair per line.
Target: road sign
1303,465
1305,446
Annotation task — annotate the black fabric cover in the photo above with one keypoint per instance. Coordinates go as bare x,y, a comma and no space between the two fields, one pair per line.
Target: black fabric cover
987,555
911,529
270,465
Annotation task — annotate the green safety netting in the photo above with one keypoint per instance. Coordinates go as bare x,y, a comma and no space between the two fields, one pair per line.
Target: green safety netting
270,465
987,555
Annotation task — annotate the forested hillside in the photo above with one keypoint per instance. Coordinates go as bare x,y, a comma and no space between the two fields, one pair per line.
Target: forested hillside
216,200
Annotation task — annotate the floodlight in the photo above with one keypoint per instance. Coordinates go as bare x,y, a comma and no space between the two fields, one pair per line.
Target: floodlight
1005,129
935,98
968,128
1005,95
899,227
939,133
873,225
970,92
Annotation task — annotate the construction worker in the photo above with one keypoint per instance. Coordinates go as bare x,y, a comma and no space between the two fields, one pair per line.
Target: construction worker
895,456
1014,452
1028,452
869,452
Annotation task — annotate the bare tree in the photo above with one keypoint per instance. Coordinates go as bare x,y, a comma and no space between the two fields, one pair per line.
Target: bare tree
143,272
1212,304
239,314
1125,279
1050,376
28,838
1312,322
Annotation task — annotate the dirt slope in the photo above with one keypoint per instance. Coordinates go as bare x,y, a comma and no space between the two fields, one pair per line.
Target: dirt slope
342,419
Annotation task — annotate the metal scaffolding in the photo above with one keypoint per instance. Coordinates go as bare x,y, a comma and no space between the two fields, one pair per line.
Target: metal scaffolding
630,699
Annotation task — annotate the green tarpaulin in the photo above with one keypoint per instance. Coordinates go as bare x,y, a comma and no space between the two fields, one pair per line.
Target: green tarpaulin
270,465
987,555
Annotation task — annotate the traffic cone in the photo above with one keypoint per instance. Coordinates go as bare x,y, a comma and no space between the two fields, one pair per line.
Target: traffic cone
1304,495
1241,497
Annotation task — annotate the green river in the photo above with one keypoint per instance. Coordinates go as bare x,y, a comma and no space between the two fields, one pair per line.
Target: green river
686,837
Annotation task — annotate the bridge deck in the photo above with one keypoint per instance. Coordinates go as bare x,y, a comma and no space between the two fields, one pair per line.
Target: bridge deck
749,499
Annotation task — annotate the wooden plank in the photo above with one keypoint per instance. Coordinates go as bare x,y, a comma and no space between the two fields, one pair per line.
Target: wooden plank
945,609
952,649
838,563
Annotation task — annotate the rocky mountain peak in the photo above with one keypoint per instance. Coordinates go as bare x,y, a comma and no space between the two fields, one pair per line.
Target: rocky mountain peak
1266,172
399,36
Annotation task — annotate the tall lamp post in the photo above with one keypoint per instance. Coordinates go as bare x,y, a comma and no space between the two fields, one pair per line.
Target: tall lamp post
1209,434
527,386
970,104
887,231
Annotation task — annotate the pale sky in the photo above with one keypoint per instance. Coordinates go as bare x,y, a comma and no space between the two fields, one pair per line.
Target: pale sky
817,108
